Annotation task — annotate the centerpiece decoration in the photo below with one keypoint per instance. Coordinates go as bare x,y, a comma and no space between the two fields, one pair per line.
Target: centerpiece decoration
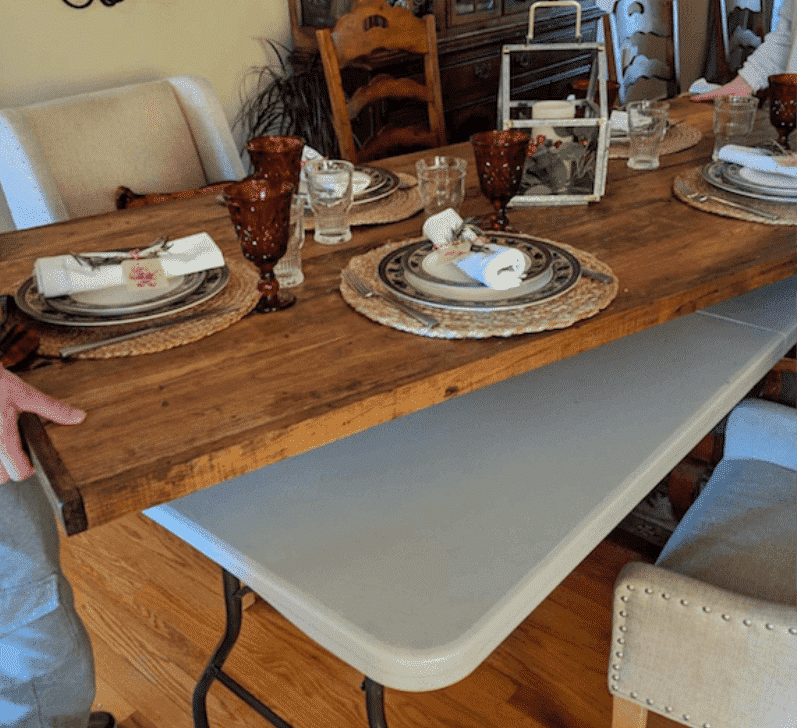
566,160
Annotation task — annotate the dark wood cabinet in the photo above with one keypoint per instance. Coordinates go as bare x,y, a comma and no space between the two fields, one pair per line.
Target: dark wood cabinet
471,34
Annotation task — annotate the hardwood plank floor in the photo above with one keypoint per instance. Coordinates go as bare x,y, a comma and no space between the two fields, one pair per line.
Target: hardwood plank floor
154,610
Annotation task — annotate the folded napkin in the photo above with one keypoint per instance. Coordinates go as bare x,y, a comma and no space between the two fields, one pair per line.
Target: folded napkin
62,275
498,267
702,86
494,266
619,122
759,159
442,229
309,153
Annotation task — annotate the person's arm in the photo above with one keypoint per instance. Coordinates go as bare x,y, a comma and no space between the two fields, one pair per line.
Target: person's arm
771,57
16,396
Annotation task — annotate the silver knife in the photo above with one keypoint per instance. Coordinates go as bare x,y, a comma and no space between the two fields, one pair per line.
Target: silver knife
69,351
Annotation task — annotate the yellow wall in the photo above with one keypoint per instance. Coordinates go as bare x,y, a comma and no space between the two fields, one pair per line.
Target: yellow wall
48,49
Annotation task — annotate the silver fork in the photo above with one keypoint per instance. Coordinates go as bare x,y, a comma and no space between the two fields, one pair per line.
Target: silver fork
700,197
359,286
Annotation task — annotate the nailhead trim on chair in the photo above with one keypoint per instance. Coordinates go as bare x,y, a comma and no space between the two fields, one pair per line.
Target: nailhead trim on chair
616,667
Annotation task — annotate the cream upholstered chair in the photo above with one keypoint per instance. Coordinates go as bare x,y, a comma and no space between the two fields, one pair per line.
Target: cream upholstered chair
65,158
707,635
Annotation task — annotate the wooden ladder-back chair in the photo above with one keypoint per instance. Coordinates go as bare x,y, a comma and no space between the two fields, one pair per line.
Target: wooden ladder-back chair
369,26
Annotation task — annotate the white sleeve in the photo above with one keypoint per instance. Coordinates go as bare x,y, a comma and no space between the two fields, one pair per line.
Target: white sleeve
777,52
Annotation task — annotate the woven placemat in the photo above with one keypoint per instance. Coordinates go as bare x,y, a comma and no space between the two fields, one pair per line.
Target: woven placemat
584,300
692,182
237,299
677,139
404,202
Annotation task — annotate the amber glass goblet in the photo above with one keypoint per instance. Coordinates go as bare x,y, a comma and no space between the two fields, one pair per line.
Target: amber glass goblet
782,105
260,210
500,158
277,157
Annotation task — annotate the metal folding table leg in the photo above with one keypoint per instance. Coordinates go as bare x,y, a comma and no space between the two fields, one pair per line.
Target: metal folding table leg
233,594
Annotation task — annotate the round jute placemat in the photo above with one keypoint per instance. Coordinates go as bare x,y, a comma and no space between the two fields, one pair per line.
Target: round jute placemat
236,300
404,202
677,139
585,299
692,182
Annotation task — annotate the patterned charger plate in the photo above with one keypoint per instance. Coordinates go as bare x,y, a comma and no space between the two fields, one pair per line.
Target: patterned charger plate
382,183
714,173
32,303
566,270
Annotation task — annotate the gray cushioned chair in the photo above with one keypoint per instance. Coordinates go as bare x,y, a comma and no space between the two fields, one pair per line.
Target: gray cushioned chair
707,635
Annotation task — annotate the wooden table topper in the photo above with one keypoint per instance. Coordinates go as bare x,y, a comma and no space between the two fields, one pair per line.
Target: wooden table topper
270,386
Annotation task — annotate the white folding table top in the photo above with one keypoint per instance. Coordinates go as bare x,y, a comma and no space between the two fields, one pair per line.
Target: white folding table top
412,549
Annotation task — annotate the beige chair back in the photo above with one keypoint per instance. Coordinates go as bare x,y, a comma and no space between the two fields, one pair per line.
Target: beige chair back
65,158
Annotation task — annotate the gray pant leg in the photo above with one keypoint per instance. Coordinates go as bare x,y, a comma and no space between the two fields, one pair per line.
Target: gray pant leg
46,665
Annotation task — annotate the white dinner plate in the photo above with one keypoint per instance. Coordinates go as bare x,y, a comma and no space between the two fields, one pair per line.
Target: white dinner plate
118,300
768,179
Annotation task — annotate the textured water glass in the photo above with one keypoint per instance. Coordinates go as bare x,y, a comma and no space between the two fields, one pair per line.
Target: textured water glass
733,120
441,183
648,122
330,191
289,268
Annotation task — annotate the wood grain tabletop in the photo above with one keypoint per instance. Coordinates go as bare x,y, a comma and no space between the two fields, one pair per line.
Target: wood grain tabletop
162,425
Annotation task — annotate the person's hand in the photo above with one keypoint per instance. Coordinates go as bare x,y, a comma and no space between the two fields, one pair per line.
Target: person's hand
16,396
738,87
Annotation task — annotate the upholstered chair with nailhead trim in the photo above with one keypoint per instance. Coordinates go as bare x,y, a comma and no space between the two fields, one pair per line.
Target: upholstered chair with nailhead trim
707,635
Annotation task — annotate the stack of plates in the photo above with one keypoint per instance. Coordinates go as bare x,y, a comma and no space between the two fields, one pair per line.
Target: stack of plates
117,305
748,182
415,272
369,184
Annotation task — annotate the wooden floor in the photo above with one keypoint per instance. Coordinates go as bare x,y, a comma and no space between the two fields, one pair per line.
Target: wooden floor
154,610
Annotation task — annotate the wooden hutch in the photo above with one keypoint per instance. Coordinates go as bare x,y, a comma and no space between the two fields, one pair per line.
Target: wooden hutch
471,34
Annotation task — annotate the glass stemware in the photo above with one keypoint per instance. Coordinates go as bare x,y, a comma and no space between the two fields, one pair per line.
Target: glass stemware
260,210
277,157
782,105
500,158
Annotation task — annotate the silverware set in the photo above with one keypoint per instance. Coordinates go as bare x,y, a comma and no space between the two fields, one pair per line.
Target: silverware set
701,197
359,286
70,351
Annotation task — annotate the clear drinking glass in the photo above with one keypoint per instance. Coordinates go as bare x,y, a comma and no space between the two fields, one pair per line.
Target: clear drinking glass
289,268
648,122
330,191
733,120
441,183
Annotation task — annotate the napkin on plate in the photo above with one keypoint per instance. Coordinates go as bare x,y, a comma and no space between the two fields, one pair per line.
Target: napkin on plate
758,159
495,266
498,267
62,275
